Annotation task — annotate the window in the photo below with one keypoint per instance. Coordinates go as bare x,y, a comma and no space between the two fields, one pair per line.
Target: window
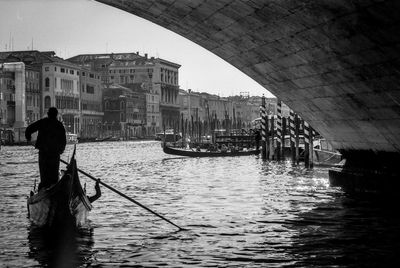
71,72
55,69
46,69
83,74
91,75
90,89
47,102
55,82
47,82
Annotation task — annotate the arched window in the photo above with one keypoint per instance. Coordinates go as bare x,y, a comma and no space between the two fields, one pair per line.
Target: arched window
47,102
47,82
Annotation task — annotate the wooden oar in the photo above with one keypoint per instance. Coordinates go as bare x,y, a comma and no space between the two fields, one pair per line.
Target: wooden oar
127,197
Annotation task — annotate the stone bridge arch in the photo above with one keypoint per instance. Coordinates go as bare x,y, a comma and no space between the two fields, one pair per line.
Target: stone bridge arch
334,62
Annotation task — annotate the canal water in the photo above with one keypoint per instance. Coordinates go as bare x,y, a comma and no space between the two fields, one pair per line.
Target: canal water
239,212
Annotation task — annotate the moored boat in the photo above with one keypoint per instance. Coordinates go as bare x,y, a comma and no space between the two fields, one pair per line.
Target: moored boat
324,154
61,203
191,153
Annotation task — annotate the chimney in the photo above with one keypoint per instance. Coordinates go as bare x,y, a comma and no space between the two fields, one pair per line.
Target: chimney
137,52
145,55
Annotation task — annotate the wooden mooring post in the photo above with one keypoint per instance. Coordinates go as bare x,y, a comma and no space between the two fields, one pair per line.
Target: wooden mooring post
268,134
297,138
306,128
311,153
264,129
292,132
272,143
283,137
278,131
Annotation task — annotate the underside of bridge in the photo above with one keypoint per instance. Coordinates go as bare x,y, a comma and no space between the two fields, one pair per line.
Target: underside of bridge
334,62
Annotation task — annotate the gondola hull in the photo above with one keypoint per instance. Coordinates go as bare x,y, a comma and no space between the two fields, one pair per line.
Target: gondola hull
62,203
183,152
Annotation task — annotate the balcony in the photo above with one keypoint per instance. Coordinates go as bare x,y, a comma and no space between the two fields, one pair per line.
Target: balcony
170,105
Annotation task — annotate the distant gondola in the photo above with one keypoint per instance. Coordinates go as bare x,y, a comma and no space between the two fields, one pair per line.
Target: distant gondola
61,203
190,153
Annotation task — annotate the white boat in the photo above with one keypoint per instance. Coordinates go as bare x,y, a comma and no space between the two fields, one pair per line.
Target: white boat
72,138
325,154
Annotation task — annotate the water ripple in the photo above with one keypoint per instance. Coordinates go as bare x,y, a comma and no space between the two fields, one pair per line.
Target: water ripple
239,212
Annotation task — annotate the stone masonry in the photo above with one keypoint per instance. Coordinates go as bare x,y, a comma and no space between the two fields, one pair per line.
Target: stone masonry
334,62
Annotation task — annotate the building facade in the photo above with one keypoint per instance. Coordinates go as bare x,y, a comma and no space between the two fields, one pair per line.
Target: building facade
124,112
159,78
60,81
91,101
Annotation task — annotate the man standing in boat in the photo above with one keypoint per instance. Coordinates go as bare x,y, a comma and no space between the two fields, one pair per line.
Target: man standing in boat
51,141
257,138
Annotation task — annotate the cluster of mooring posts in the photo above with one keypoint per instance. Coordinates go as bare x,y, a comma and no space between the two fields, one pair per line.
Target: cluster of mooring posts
282,137
198,130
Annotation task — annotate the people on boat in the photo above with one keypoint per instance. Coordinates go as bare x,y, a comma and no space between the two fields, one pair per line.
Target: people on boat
198,148
224,148
230,147
257,138
51,141
213,148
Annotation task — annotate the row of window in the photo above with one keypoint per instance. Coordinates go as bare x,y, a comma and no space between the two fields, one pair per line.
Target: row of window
62,70
31,86
7,96
169,76
152,108
33,100
70,71
8,82
32,116
64,102
91,106
31,75
152,118
131,71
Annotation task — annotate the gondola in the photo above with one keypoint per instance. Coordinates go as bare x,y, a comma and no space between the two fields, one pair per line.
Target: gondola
62,203
190,153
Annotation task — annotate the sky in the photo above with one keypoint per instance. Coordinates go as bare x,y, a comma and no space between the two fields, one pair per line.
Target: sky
72,27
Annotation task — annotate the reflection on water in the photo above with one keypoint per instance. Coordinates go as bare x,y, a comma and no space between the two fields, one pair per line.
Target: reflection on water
240,212
65,247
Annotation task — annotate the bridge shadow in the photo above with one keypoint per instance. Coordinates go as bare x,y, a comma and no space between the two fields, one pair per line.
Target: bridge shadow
65,248
347,232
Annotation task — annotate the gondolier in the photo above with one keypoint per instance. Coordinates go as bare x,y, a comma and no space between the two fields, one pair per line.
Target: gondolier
51,141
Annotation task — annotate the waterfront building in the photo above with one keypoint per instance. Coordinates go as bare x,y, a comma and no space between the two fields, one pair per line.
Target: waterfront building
124,111
7,97
91,95
159,79
33,93
61,90
43,80
21,80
